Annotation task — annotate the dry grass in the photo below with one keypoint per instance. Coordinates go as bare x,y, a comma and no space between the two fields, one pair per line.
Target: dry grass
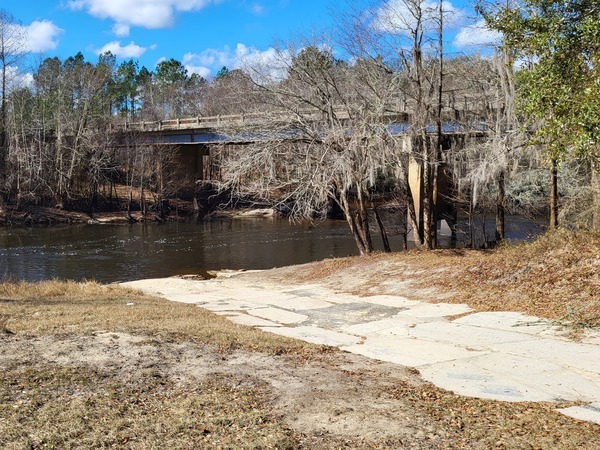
486,424
58,407
46,405
556,277
56,307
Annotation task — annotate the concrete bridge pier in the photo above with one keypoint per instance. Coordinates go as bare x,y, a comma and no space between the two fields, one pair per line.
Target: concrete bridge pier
444,207
190,159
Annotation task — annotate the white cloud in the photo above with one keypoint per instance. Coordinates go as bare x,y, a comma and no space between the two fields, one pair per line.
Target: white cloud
266,66
121,30
211,58
204,72
400,16
152,14
17,79
263,66
132,50
477,34
42,36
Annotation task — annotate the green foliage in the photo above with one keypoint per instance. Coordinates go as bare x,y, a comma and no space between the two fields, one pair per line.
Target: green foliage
171,72
559,88
222,73
197,81
126,84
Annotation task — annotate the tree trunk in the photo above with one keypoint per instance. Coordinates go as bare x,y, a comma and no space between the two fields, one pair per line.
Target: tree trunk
437,153
363,220
428,221
554,195
500,210
471,213
343,202
411,215
3,138
384,237
596,195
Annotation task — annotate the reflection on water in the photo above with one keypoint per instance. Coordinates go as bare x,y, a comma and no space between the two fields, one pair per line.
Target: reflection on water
117,253
120,253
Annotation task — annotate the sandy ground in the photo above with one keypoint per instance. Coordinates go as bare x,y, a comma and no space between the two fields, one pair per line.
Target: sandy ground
333,399
340,395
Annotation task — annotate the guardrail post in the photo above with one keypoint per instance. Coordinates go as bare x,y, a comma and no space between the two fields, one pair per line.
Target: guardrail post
197,121
243,118
160,125
219,119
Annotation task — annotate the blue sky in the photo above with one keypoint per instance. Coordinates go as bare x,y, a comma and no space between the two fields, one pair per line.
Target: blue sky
204,34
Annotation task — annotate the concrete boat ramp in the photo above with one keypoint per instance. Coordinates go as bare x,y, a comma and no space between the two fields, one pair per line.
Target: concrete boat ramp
503,356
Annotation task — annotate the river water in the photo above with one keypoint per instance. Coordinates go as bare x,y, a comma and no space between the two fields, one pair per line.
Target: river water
110,253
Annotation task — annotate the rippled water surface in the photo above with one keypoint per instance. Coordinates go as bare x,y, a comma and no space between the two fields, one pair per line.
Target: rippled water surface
110,253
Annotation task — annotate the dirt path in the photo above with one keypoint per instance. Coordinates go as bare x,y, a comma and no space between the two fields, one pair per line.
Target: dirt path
336,400
340,397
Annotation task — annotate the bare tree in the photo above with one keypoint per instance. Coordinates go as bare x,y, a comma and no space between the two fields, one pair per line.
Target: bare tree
408,34
12,48
325,139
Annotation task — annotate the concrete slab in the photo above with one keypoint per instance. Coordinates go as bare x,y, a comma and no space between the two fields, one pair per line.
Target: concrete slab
315,335
497,355
277,315
183,298
465,335
395,301
409,352
251,321
590,413
383,327
298,303
590,337
472,381
585,357
342,299
432,311
341,315
308,290
504,377
228,305
258,296
166,286
506,320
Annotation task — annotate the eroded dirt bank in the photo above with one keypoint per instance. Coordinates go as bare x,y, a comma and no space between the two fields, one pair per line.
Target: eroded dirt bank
332,401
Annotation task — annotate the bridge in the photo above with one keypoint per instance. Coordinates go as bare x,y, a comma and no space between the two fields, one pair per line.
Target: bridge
397,110
194,137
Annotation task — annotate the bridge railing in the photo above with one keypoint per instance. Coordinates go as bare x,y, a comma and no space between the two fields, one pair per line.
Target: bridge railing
393,110
254,118
192,122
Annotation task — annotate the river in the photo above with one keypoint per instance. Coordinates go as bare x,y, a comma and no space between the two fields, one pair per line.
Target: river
111,253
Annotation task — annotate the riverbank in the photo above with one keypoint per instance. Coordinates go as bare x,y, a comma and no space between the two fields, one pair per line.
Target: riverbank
11,216
82,364
30,215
